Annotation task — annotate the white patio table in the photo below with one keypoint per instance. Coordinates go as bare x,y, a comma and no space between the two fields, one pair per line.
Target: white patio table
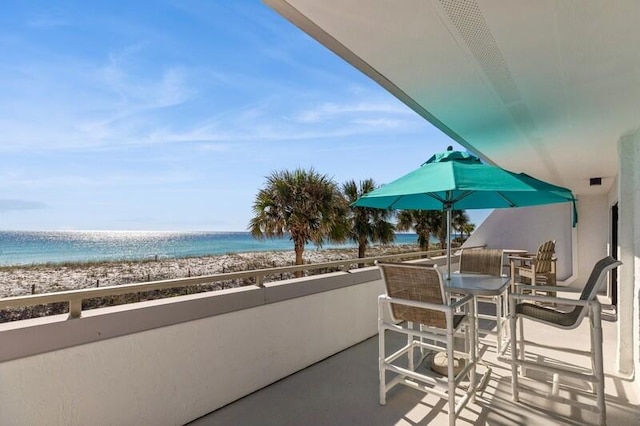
482,285
477,284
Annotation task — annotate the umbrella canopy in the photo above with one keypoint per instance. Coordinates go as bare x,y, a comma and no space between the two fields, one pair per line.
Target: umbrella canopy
458,180
463,181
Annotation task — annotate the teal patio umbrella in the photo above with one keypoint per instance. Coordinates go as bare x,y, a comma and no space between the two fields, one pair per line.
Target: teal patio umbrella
455,180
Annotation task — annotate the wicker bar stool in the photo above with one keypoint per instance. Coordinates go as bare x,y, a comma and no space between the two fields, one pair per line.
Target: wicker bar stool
487,262
415,295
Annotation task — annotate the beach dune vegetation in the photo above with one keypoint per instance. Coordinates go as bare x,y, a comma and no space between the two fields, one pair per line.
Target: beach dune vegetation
304,204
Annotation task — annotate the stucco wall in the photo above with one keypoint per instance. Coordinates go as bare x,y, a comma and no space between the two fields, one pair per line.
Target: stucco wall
526,228
629,248
593,233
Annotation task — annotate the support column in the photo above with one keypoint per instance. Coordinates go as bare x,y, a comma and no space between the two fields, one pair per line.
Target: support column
629,253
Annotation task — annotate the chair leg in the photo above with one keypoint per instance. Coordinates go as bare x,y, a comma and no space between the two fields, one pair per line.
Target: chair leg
473,350
521,353
596,339
468,351
381,356
498,302
410,345
451,378
555,384
513,319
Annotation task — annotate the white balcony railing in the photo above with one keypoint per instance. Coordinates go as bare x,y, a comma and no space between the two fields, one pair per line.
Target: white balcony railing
75,297
170,361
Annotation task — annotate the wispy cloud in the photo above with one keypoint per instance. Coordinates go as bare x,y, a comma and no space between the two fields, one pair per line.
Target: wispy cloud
331,111
140,93
121,110
121,98
13,204
213,147
87,180
381,123
77,106
109,112
47,20
280,119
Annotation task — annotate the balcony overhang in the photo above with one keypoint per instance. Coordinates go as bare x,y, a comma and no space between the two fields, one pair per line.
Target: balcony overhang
545,87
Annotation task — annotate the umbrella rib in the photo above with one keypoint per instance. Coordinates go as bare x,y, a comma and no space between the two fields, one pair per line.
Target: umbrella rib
444,200
462,197
504,197
391,206
435,196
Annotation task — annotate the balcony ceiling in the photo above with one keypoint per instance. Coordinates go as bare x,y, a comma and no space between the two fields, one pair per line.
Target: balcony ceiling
547,87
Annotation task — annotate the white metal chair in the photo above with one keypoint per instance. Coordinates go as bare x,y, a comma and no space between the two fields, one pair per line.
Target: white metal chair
488,262
587,304
415,295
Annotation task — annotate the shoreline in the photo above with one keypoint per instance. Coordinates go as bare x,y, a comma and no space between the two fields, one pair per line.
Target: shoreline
27,248
20,280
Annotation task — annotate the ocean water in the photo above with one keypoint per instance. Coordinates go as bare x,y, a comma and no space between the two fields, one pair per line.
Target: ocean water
35,247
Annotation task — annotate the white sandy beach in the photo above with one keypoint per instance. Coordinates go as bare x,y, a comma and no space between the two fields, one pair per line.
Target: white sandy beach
20,280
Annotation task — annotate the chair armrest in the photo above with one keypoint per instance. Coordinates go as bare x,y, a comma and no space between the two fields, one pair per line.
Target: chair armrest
527,256
559,300
424,305
556,289
462,301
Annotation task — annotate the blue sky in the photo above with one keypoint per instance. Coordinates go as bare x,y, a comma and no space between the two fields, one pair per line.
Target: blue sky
115,115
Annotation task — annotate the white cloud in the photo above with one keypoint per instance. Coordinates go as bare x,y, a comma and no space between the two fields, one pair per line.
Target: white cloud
213,147
136,93
83,108
117,104
113,178
14,204
47,21
381,123
332,111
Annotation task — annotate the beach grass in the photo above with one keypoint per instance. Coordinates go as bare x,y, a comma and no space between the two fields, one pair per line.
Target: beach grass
53,277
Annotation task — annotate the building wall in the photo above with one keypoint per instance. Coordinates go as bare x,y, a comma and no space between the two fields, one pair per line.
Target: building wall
629,250
592,233
577,249
528,227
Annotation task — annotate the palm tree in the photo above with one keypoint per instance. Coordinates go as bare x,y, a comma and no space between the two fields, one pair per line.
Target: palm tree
467,228
303,203
459,218
430,222
365,224
421,221
439,227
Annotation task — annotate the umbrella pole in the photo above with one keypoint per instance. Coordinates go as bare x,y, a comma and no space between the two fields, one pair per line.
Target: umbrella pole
448,208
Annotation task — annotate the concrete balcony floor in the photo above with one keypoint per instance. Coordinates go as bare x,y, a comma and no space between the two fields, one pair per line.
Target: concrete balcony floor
343,390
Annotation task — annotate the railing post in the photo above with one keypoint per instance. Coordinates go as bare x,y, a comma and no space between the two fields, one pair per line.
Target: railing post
260,280
75,308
